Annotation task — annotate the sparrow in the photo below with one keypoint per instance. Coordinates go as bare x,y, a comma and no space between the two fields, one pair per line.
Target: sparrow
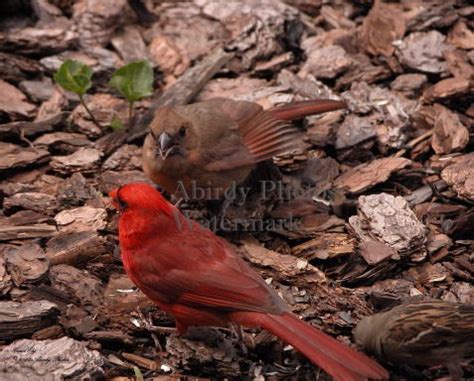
216,144
426,333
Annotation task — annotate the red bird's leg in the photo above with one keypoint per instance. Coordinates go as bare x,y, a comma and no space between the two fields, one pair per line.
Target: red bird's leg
224,207
243,339
149,326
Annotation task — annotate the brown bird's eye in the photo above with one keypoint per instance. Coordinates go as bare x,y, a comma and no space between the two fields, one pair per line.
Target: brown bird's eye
182,132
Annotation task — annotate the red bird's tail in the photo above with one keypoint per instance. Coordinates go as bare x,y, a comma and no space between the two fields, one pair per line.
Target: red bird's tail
340,361
298,110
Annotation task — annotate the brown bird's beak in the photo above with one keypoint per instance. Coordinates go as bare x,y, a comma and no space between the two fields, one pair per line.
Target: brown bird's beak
164,141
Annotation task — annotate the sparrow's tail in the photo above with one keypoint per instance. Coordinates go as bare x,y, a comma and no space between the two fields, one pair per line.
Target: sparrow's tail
298,110
340,361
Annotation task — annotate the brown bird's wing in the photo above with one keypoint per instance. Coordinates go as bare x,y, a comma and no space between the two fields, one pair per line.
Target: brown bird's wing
298,110
432,325
263,134
199,270
266,133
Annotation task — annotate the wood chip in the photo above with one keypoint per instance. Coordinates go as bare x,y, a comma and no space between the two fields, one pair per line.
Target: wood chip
97,20
249,28
461,36
383,25
24,225
447,88
76,247
82,288
326,62
409,82
354,130
26,263
5,278
13,102
365,176
336,19
142,362
49,38
275,64
437,241
35,201
64,141
460,176
129,44
388,219
16,67
116,337
64,358
13,156
84,218
325,246
51,332
114,179
450,134
375,252
75,191
122,298
28,129
167,56
22,319
53,106
83,160
285,265
423,51
126,158
459,64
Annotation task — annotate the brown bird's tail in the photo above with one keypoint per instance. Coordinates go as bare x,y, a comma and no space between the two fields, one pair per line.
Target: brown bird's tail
340,361
298,110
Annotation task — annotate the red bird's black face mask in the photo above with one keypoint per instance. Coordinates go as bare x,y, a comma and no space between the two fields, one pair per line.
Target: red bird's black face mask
117,201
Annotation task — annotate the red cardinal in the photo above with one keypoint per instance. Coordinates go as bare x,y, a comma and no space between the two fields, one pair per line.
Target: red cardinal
194,275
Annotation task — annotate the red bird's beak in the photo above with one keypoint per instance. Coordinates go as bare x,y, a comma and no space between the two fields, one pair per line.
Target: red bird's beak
113,196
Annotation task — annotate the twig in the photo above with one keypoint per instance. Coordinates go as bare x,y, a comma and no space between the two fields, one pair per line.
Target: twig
412,143
25,139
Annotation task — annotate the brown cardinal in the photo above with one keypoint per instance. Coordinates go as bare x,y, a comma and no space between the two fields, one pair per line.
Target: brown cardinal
426,333
215,144
193,274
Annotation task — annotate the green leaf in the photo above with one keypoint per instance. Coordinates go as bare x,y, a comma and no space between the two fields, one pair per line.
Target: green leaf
116,123
138,373
134,81
74,76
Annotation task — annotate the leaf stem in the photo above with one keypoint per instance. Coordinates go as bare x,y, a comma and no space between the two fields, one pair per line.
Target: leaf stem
94,120
130,114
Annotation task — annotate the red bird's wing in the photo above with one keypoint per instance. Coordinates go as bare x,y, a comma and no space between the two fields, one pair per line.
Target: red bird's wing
198,269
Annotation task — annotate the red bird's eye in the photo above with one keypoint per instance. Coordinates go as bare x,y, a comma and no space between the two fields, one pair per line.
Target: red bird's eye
182,132
117,200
